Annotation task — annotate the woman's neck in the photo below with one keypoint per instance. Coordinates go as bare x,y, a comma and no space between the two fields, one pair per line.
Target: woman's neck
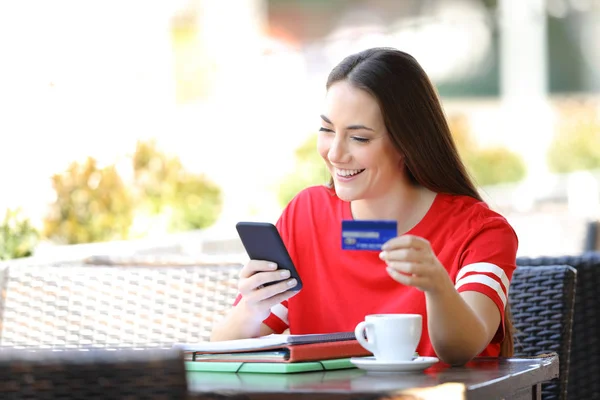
407,205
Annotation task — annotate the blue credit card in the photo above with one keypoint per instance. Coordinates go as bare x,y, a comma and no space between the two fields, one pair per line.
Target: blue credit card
367,234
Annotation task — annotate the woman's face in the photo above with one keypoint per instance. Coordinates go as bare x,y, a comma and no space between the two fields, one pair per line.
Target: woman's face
355,144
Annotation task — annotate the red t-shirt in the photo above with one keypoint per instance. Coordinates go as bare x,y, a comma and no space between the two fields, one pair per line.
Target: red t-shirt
476,245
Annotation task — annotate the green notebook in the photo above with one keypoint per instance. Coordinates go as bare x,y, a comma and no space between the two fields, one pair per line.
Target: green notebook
270,368
202,381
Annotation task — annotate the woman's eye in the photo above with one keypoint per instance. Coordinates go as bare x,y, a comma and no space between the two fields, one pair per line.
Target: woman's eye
325,130
360,139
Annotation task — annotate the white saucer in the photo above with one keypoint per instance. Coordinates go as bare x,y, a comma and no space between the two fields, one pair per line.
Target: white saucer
371,364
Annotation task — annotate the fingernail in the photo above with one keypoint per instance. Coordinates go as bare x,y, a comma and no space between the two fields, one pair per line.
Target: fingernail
291,282
385,246
272,265
382,255
285,273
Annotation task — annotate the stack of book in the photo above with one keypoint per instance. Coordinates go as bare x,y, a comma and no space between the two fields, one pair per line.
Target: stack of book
275,353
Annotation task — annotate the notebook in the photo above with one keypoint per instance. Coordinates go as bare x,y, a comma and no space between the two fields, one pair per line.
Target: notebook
276,348
270,368
264,342
286,353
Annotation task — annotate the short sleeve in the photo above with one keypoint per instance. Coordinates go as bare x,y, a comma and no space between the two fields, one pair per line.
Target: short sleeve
487,265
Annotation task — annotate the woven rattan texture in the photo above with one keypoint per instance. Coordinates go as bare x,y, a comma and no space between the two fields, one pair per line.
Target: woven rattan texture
97,374
83,306
584,372
542,304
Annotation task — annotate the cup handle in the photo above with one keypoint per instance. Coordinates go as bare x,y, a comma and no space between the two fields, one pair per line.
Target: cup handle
359,332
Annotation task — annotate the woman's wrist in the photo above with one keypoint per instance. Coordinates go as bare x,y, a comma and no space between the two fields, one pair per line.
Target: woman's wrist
248,319
240,323
442,289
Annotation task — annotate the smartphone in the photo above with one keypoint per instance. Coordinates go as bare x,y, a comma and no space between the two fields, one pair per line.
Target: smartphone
263,242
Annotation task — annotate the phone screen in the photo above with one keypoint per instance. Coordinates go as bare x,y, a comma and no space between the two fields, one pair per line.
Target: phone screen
263,242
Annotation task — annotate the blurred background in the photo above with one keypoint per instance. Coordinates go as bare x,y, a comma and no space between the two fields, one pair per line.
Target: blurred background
141,126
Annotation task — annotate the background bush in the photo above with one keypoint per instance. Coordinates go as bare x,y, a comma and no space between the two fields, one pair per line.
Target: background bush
18,237
487,165
92,205
309,170
576,142
95,204
154,174
163,185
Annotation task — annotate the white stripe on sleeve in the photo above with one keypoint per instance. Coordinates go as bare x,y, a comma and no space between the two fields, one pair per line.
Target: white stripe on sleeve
484,280
484,267
281,312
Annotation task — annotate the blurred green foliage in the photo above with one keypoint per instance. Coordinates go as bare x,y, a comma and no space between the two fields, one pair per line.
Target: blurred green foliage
576,142
309,170
164,185
495,165
92,205
154,173
488,166
18,237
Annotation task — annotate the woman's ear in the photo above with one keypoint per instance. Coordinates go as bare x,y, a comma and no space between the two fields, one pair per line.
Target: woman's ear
401,160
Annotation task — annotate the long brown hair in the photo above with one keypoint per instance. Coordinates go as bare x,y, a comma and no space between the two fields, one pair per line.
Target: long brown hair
417,126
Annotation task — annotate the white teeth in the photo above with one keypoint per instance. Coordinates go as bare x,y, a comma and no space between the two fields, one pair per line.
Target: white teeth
348,172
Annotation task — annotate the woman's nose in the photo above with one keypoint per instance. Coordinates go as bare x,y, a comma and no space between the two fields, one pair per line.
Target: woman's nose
337,151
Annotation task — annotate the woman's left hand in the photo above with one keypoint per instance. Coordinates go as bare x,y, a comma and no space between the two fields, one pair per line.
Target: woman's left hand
411,261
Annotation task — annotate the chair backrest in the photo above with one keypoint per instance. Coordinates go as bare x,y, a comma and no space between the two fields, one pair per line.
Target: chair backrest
592,237
584,371
95,374
107,306
3,276
542,301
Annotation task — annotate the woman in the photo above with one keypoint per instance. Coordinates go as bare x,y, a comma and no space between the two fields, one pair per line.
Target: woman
387,145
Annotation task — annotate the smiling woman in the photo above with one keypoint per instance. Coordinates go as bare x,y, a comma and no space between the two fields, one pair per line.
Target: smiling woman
387,146
356,146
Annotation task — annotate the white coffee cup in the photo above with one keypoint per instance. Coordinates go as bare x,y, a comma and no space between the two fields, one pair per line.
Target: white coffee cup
390,337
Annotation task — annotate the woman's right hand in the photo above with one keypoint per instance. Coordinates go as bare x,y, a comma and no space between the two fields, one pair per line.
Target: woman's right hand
257,298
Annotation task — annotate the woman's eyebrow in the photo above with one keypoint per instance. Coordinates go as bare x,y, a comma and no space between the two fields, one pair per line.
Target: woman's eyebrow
351,127
324,118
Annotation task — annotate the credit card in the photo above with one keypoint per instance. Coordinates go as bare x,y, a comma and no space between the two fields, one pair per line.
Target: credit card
367,234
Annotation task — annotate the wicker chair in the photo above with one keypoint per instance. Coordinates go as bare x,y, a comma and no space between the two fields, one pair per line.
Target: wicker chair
76,306
95,374
542,301
592,237
584,371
